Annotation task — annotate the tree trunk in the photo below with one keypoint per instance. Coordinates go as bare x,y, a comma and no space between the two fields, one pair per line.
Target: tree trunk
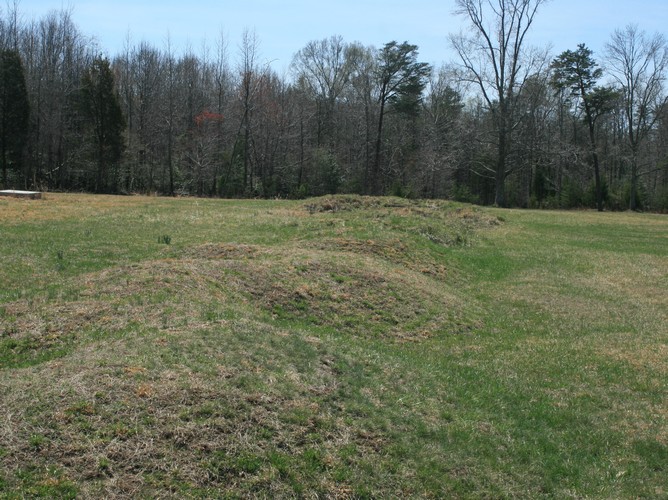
633,196
597,181
500,174
375,174
500,186
3,158
594,157
170,161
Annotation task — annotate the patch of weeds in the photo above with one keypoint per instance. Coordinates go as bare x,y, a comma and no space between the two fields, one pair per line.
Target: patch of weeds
31,351
205,412
279,312
82,408
214,313
10,328
299,416
340,279
37,441
137,299
301,268
453,238
248,382
348,452
653,453
52,483
313,461
104,465
248,463
223,465
211,316
297,486
165,239
60,260
117,431
281,462
265,433
341,474
363,492
299,304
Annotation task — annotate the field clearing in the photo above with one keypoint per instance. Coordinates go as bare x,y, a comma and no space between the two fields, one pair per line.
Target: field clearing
340,347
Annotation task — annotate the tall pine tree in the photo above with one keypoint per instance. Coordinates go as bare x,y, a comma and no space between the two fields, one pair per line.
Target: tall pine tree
104,117
14,118
401,80
578,72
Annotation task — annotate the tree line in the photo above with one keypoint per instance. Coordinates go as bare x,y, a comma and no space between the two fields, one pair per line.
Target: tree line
505,124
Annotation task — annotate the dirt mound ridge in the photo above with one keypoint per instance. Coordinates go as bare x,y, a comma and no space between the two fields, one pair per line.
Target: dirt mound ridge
360,294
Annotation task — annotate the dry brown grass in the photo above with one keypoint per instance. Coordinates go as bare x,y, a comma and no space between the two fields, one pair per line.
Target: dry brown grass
56,207
113,424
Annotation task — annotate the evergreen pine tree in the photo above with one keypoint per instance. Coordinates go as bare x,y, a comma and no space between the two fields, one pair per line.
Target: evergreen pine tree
14,115
103,114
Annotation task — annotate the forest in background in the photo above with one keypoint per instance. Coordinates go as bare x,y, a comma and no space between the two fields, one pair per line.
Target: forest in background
505,124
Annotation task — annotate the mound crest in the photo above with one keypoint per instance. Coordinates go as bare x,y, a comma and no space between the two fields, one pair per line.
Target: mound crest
362,294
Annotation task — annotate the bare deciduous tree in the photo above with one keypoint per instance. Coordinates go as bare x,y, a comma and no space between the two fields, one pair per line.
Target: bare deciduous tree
251,77
638,63
495,59
323,69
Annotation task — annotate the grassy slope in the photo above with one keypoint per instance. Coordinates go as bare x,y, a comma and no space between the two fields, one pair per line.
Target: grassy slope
341,347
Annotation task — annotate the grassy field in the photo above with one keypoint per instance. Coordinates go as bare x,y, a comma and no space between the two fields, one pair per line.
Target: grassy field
340,347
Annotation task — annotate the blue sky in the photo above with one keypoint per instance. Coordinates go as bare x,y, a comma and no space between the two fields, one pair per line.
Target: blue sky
283,27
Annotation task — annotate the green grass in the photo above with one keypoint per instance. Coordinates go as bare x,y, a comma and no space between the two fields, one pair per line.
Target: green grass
339,347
